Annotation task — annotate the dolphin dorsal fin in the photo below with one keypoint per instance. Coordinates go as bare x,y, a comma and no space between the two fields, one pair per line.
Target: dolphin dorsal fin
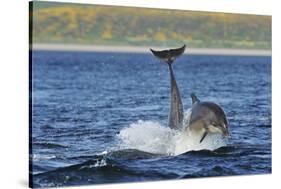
194,98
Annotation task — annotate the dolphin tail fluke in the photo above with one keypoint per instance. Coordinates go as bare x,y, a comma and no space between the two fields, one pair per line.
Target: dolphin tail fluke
169,55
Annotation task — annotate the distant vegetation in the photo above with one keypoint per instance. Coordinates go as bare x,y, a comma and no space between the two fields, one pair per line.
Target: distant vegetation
109,25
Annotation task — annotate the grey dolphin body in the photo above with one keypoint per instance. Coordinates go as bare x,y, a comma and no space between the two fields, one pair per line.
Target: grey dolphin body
205,117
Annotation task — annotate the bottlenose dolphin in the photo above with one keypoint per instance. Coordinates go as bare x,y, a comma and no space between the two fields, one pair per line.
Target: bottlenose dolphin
205,117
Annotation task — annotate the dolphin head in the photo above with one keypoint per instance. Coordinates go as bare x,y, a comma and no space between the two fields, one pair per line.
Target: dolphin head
219,127
210,117
218,122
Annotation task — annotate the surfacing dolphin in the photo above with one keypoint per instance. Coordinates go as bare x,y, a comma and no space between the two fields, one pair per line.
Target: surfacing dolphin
205,117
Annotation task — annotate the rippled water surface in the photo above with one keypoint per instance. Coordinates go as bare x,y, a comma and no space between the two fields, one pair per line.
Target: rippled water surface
102,118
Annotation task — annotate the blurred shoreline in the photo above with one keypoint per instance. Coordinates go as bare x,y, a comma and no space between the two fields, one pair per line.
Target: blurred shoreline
145,49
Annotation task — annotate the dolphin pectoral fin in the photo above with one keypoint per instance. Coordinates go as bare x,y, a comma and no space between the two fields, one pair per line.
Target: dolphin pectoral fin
204,135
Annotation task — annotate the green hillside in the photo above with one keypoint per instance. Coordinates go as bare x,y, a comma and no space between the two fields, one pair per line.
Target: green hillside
111,25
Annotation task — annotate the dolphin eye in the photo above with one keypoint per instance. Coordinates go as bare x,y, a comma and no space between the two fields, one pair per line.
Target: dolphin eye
215,124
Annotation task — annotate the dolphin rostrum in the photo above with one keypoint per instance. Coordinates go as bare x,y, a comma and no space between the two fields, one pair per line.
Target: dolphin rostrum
205,117
176,108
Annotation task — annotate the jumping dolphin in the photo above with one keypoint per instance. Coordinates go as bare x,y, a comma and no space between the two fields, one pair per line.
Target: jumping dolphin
205,117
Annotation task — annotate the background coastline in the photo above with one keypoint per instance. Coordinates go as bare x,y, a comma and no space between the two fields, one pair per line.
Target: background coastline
145,49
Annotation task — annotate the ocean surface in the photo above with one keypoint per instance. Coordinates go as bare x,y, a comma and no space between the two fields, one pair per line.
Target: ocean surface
102,118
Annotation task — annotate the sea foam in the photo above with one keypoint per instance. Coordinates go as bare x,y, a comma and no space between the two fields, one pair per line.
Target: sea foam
152,137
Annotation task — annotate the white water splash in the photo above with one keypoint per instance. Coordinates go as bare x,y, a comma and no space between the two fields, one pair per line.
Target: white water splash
154,138
99,163
148,136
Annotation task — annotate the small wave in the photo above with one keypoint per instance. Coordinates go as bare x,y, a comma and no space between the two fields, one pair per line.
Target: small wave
130,154
38,157
152,137
224,151
102,153
265,126
211,172
49,145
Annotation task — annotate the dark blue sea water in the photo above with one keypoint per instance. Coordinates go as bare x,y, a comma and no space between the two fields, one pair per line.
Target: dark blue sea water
102,117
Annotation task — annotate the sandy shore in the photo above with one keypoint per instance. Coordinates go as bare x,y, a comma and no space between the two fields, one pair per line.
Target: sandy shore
143,49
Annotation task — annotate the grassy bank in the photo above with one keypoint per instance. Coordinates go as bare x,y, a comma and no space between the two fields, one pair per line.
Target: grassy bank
109,25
